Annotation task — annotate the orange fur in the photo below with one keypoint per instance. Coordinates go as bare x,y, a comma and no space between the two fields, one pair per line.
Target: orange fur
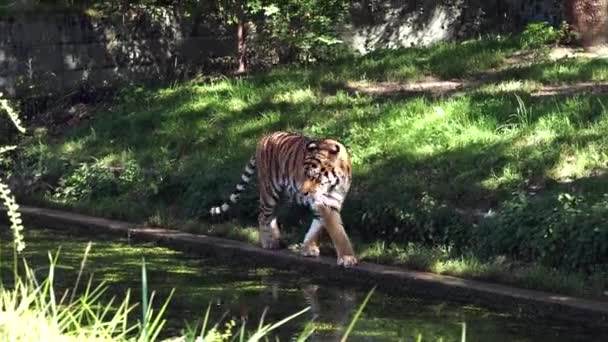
312,172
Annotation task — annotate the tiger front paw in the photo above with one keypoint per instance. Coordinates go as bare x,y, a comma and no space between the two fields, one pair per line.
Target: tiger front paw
309,250
347,261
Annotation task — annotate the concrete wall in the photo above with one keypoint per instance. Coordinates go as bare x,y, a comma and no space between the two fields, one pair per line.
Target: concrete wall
404,23
57,52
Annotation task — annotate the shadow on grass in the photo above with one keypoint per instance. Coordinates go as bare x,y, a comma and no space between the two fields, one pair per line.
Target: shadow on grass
442,60
426,158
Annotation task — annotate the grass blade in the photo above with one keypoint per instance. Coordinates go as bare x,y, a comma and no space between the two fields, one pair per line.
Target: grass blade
82,263
144,300
357,314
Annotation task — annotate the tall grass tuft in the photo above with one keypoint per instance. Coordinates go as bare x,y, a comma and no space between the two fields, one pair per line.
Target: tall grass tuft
8,200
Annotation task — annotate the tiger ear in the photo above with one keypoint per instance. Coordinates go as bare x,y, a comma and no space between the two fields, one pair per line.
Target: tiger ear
335,149
311,146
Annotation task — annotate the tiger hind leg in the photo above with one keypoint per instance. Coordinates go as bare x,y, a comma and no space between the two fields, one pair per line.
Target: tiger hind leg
269,232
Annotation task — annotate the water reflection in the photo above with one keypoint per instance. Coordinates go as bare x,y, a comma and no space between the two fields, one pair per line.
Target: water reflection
243,293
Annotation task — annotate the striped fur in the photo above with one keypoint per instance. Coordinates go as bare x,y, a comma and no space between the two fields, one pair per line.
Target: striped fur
246,177
310,172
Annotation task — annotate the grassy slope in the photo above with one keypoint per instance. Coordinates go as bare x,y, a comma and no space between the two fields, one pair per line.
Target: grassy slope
176,150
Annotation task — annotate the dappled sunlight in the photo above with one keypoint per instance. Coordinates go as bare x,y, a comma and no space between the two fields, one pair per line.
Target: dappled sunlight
296,96
509,86
504,178
429,159
467,268
72,148
579,162
565,70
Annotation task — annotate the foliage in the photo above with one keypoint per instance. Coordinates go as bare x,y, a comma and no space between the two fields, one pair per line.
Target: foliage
104,178
538,34
8,200
296,31
308,30
429,169
565,230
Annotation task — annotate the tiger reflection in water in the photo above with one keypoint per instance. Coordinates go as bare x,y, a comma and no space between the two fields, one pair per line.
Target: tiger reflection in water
333,306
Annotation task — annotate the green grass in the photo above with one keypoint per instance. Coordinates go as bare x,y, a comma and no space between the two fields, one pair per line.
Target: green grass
498,269
444,60
166,154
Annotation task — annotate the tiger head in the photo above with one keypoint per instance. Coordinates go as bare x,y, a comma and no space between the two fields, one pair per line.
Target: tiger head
324,161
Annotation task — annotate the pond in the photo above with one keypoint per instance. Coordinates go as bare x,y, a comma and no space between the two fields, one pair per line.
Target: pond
242,291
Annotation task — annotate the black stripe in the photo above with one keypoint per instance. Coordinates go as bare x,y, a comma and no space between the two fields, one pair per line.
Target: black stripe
308,160
248,175
273,187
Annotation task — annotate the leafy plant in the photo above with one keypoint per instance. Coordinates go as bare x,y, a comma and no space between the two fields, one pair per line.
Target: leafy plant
5,193
565,230
538,34
287,31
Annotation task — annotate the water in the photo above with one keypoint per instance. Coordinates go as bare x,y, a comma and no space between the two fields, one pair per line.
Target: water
240,291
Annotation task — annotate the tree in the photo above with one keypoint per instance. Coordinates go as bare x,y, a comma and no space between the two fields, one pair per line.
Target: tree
589,18
295,28
238,12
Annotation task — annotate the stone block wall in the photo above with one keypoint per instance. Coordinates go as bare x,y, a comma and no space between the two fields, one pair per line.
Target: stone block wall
47,53
56,52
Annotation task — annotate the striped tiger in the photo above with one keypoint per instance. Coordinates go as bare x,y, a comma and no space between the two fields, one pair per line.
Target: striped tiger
312,172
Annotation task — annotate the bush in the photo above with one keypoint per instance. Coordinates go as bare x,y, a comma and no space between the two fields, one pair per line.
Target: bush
538,34
303,31
108,177
568,231
421,220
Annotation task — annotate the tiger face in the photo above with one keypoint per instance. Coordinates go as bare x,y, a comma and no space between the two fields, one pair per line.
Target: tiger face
322,165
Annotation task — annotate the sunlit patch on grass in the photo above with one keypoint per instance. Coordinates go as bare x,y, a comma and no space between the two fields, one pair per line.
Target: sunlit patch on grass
188,142
510,86
295,96
324,326
229,230
469,267
506,177
411,255
578,162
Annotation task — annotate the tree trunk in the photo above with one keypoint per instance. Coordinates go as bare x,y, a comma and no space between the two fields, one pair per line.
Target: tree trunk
242,46
588,18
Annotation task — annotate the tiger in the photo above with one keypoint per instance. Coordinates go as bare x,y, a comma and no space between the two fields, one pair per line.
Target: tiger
295,168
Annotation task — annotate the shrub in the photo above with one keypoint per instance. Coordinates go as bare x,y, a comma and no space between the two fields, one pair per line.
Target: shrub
538,34
566,230
423,219
108,177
